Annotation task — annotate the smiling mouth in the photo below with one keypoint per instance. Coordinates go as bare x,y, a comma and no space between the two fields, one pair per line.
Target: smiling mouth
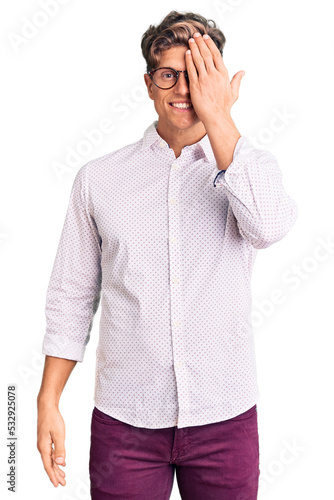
181,105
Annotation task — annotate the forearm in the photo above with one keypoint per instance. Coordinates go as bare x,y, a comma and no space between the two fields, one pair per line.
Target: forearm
223,136
253,185
55,375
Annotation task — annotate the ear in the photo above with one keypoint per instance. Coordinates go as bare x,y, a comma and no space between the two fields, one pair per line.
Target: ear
149,85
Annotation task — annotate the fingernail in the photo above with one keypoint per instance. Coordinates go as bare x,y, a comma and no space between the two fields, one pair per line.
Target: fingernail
59,460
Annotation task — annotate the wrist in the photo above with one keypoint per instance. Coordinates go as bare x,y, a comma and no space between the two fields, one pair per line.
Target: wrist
223,136
222,122
44,401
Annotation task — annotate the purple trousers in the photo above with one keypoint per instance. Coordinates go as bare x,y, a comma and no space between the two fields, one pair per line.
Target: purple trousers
218,461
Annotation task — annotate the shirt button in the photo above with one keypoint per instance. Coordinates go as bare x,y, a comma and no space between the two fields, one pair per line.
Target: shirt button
175,167
162,144
172,201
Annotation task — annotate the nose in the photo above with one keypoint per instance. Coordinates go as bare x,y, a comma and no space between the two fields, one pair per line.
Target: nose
181,86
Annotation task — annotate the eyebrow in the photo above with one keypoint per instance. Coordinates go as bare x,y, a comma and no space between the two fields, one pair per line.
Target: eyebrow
171,67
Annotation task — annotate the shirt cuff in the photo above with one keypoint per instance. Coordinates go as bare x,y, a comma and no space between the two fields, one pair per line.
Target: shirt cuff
62,347
220,172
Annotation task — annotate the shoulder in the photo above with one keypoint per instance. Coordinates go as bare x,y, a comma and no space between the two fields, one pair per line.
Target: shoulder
110,163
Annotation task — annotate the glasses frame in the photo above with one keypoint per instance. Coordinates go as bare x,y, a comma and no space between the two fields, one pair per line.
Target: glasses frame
151,74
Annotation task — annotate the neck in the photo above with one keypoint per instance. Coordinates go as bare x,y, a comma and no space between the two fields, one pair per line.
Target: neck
178,138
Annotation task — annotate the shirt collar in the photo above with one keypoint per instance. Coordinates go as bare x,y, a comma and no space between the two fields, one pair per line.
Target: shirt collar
151,137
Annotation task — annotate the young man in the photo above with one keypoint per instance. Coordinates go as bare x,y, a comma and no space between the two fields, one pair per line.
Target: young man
166,231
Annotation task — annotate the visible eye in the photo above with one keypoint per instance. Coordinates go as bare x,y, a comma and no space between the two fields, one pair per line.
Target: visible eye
168,76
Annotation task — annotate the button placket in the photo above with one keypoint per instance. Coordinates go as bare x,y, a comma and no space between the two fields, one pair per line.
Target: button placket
176,287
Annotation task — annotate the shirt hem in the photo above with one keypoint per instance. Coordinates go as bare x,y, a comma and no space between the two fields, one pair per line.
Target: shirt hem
210,416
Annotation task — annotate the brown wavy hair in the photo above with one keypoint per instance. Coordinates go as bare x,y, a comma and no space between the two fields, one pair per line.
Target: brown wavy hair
175,30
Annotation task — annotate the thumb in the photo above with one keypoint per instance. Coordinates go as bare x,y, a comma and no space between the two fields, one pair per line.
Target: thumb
235,82
59,453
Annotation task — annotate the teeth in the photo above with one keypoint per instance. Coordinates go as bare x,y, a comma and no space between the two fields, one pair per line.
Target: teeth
182,105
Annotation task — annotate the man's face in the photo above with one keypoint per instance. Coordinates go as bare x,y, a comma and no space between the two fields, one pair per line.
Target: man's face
169,116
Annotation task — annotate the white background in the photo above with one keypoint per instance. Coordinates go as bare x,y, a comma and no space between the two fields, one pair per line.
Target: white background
77,70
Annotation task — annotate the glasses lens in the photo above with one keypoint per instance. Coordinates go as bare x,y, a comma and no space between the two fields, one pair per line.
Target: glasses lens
164,78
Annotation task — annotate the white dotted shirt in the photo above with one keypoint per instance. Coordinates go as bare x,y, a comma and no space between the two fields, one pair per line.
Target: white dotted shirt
167,247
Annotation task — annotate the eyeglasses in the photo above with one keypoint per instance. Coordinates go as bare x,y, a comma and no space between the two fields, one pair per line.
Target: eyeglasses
166,78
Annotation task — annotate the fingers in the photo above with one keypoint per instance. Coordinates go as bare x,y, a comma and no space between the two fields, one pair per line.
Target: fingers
54,474
48,454
191,69
217,57
201,54
59,472
206,49
58,456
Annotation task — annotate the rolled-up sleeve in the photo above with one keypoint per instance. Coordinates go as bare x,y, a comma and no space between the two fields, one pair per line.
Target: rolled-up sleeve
264,211
73,293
